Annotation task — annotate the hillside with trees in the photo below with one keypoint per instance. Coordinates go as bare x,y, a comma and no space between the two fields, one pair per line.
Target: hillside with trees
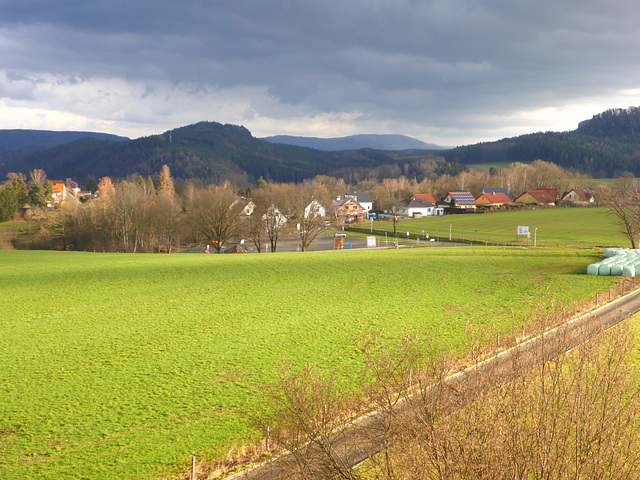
208,151
608,145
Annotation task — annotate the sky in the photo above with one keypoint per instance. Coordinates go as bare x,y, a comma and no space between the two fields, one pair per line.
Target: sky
450,72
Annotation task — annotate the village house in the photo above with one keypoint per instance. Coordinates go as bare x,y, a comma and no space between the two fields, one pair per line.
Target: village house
544,197
419,208
463,200
60,191
425,197
578,196
315,210
494,190
364,199
348,210
493,201
247,206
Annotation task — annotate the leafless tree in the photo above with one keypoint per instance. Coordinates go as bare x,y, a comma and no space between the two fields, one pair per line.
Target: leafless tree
217,215
623,202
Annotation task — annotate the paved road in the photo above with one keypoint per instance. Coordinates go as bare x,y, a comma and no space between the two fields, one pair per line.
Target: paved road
362,438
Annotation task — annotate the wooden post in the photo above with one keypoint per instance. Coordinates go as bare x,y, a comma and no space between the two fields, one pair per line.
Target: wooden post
267,439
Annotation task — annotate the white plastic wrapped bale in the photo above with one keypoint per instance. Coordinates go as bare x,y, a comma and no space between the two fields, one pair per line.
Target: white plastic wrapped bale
604,269
629,271
616,270
593,269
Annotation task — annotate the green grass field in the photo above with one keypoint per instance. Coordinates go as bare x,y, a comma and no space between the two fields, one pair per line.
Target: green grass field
564,225
122,366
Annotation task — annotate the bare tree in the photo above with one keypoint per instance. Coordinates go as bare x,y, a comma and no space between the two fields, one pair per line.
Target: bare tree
217,215
623,202
305,204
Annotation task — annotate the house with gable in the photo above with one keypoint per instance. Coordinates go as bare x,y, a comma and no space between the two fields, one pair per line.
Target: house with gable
493,201
462,200
60,191
419,208
425,197
544,197
348,210
364,199
494,190
315,210
578,196
247,206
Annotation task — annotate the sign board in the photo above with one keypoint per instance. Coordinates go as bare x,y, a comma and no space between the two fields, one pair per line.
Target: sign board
523,231
371,242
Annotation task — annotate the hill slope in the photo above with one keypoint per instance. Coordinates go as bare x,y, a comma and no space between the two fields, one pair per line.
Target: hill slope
604,146
207,150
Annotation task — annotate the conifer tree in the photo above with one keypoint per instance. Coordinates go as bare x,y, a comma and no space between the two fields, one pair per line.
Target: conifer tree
151,190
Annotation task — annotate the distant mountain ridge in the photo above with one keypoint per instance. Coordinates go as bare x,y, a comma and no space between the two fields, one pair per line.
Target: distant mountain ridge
605,146
208,151
19,138
356,142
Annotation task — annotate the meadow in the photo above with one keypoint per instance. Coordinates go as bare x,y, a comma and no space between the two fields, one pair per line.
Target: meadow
593,226
122,366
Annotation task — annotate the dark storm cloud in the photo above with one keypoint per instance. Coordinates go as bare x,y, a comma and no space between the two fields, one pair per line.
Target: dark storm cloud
423,62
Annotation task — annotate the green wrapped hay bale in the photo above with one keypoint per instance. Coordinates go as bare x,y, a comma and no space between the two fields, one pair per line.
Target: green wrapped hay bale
593,269
629,271
616,270
604,269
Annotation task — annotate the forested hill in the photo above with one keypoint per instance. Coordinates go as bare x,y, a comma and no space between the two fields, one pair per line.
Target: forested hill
207,150
604,146
34,139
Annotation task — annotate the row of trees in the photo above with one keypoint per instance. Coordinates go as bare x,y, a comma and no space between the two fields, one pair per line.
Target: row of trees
135,216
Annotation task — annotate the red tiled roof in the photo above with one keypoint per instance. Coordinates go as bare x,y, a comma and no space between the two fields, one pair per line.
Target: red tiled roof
425,197
494,198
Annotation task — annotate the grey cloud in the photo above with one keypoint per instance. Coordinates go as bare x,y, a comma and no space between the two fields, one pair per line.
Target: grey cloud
408,60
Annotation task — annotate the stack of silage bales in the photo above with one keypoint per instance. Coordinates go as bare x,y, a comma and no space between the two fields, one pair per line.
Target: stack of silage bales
617,261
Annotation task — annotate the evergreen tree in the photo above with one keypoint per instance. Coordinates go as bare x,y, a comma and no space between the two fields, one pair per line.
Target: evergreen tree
261,183
91,184
14,194
37,195
151,190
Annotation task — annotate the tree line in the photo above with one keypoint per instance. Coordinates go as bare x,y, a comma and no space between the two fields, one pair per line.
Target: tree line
143,215
138,215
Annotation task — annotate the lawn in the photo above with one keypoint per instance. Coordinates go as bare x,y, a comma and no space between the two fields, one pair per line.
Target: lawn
121,366
593,226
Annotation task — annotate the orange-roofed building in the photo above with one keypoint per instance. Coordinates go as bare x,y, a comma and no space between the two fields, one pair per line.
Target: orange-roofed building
60,191
493,200
424,197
